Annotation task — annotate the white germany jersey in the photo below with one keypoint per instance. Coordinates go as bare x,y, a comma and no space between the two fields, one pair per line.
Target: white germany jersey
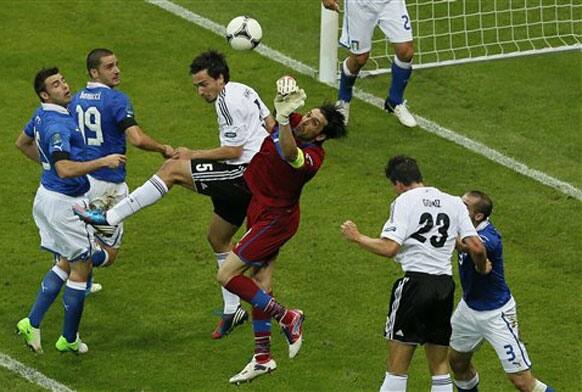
425,222
241,114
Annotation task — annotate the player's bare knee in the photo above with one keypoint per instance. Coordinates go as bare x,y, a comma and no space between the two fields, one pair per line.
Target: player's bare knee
359,60
223,276
172,172
217,243
404,52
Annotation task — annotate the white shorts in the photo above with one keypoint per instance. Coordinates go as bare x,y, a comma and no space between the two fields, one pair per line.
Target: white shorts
117,192
362,16
62,232
499,327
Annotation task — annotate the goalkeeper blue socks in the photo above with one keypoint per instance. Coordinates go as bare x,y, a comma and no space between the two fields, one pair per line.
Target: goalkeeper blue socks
49,290
401,72
73,300
347,81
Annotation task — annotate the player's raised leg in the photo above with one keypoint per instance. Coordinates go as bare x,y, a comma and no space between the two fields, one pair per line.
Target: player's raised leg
173,171
230,275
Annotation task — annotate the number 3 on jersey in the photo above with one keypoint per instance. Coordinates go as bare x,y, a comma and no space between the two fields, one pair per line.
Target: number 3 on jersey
90,120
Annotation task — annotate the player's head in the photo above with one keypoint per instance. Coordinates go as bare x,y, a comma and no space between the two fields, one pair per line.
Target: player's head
103,67
321,123
403,172
479,204
51,87
210,73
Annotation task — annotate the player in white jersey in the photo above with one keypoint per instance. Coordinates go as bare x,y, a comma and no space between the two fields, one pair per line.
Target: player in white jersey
487,311
243,121
360,19
420,236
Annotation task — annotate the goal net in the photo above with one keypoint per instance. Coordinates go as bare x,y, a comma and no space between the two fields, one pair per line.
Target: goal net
458,31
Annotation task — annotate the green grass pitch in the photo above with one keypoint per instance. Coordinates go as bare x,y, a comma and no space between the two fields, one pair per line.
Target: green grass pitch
149,330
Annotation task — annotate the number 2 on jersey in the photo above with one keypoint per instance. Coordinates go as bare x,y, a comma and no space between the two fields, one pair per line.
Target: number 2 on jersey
442,223
91,120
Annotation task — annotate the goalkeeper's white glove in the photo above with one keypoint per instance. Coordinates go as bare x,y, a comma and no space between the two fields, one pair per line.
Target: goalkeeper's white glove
289,98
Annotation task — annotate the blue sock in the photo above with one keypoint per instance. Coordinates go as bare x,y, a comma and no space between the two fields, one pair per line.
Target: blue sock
550,389
261,299
49,290
474,389
400,78
346,84
73,299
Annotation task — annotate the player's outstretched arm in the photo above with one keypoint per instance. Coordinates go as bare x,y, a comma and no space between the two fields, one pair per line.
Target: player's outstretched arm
214,154
26,144
66,168
380,246
289,98
143,141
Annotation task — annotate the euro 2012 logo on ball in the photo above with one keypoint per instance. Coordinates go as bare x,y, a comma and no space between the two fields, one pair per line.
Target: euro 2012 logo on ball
244,33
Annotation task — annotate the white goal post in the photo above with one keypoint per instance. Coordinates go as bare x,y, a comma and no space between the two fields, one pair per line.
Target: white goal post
460,31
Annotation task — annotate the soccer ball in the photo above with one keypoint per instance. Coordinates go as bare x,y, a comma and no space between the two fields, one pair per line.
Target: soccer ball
244,33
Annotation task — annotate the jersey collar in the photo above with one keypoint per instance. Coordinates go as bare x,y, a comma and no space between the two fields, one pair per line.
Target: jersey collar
482,225
97,85
51,107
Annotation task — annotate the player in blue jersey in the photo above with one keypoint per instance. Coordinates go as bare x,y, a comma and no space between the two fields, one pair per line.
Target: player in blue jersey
487,310
52,139
106,118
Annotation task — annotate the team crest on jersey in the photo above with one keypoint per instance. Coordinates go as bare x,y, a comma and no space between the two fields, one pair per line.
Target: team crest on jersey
57,141
355,45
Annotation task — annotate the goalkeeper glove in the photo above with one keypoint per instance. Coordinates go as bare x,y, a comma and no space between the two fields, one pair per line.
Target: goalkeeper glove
289,98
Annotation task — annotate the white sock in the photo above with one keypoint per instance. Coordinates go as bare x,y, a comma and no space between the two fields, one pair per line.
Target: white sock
472,383
442,383
231,301
393,383
539,387
402,64
146,195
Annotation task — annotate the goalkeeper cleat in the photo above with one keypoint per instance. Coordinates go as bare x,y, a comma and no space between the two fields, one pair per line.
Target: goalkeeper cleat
30,334
344,108
402,113
77,347
229,322
252,370
292,325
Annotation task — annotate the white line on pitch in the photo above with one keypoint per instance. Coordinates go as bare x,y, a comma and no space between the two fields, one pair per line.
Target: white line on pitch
32,375
424,123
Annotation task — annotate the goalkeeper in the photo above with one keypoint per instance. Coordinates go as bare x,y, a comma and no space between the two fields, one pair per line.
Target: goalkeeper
360,19
288,159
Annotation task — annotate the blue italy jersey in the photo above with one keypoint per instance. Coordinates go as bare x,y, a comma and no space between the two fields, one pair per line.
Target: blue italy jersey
55,132
485,292
103,115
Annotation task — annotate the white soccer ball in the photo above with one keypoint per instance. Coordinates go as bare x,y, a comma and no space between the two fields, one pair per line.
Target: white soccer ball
244,33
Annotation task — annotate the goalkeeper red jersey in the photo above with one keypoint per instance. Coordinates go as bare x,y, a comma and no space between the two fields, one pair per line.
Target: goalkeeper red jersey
272,180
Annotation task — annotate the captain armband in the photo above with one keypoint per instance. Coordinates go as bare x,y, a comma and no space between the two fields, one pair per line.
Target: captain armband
299,161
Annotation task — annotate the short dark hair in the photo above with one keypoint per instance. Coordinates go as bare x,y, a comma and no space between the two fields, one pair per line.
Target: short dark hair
336,127
484,203
213,62
94,58
403,169
40,79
